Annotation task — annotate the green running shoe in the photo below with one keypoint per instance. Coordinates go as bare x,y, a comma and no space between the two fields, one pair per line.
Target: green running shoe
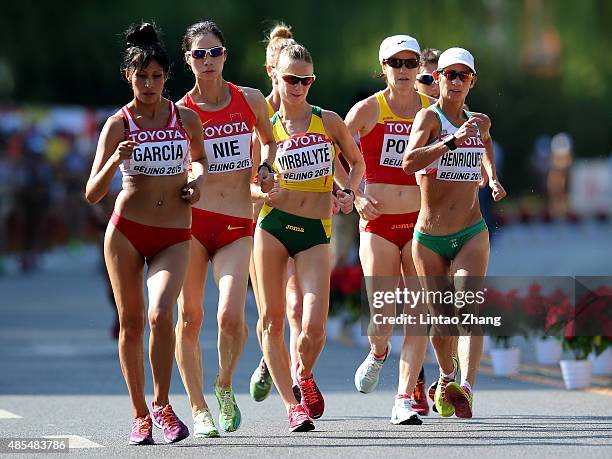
443,407
261,382
229,413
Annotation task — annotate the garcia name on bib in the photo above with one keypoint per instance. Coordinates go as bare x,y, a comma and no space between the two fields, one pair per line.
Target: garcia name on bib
159,152
227,147
304,157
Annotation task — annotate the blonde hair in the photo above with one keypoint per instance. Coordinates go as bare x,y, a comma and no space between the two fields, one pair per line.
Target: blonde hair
279,37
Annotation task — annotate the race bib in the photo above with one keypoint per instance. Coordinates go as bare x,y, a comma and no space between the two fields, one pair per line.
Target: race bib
228,147
160,152
463,164
394,144
304,157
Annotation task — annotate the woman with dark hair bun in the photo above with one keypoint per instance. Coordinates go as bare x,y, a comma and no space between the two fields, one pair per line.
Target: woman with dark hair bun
223,223
150,140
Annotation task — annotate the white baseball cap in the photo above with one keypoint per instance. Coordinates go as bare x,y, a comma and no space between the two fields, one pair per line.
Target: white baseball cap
456,56
396,43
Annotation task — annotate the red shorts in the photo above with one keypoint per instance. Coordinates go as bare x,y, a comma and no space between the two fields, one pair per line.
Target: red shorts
396,228
149,240
215,231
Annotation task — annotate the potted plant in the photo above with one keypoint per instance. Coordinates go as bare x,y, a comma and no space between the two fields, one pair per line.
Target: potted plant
545,311
601,356
576,373
504,357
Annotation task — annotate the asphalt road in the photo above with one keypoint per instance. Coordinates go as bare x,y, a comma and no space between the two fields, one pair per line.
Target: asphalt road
60,376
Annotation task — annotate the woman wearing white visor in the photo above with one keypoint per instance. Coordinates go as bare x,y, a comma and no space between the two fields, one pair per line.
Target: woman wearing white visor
449,147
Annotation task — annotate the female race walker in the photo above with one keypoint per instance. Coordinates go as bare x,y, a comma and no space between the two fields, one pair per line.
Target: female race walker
261,381
295,223
149,140
425,82
389,209
449,146
222,225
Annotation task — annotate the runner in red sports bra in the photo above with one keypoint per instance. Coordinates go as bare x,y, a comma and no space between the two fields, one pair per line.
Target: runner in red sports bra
222,220
389,208
149,140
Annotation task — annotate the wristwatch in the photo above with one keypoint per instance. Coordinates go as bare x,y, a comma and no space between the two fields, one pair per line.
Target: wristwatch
349,191
449,141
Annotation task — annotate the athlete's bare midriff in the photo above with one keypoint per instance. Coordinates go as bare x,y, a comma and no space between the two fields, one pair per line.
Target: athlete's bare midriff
395,199
306,204
154,201
447,207
228,193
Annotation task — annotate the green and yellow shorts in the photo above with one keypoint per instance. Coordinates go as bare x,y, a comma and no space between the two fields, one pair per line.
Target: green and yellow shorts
295,233
448,246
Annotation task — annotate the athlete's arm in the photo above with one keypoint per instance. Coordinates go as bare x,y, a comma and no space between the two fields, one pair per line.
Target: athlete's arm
360,120
488,162
193,126
362,117
339,133
418,154
112,149
263,128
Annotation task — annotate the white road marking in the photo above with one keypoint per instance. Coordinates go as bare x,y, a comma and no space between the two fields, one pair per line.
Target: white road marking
75,441
8,415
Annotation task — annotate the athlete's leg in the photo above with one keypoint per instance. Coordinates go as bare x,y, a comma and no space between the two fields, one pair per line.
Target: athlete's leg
231,271
433,270
189,323
469,268
415,339
380,260
125,270
164,281
255,287
293,298
271,266
312,268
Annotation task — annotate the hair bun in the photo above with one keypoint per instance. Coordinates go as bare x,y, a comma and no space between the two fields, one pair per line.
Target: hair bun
280,31
144,34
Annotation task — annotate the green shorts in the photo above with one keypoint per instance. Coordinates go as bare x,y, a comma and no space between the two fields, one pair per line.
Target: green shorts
448,246
295,233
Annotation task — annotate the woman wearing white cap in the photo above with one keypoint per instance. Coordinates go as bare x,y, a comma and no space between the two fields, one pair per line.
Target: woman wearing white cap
448,147
388,209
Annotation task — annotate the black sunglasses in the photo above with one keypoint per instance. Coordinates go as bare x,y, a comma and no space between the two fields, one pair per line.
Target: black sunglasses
290,78
202,52
452,74
425,78
397,63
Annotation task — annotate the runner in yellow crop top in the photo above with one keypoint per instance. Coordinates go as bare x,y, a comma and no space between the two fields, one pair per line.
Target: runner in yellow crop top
305,161
296,222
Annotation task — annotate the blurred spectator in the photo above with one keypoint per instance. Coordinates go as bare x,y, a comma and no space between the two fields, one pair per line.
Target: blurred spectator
557,179
44,159
540,162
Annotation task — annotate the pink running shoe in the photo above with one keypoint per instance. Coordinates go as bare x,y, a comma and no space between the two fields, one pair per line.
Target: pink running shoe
420,404
174,430
299,420
142,431
461,398
311,397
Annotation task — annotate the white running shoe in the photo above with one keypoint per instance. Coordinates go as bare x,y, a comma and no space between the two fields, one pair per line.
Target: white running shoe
204,425
366,376
404,414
